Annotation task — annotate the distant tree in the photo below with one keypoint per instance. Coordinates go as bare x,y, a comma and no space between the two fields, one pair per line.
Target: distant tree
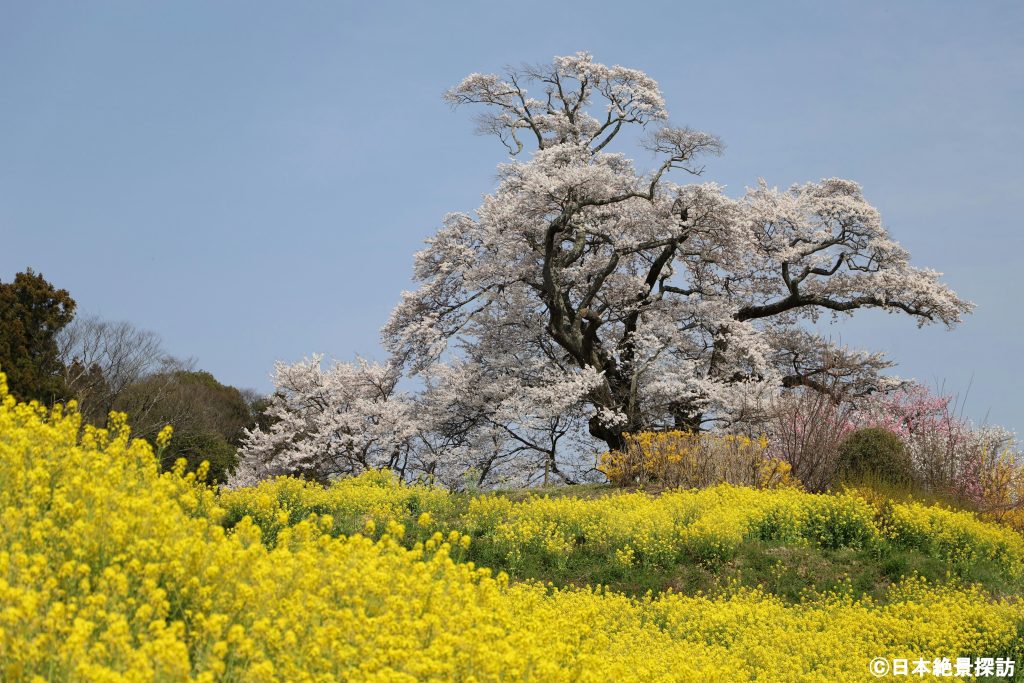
32,314
90,389
197,447
259,405
209,418
115,366
102,358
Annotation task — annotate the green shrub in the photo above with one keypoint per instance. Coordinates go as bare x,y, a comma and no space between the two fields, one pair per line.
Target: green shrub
197,447
875,455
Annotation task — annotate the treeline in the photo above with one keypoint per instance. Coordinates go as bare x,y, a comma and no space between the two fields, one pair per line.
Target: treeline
51,355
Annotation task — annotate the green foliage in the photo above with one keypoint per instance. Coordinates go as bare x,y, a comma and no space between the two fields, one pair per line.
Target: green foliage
875,455
224,410
209,418
258,406
32,312
197,447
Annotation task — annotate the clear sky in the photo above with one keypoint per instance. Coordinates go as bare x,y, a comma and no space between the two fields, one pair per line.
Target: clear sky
250,179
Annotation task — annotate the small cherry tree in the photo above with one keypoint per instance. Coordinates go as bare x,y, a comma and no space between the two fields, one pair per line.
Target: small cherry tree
330,422
462,428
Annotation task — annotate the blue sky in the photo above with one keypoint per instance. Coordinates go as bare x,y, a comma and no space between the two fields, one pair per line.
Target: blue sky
250,180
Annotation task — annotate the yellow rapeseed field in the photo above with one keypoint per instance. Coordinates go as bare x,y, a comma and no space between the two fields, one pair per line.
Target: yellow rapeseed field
111,571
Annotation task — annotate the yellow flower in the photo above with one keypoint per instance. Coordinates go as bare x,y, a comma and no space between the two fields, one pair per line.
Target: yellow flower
112,570
164,437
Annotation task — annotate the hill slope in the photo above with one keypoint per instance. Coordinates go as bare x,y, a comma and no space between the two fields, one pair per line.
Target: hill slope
110,570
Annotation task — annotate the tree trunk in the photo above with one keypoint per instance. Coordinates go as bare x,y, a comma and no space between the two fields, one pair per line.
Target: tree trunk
612,436
686,418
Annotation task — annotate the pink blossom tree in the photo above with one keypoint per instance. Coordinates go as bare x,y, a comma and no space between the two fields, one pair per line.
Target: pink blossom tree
949,453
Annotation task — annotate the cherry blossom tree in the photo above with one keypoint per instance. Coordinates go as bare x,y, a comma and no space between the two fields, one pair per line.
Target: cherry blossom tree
585,285
331,422
463,427
501,427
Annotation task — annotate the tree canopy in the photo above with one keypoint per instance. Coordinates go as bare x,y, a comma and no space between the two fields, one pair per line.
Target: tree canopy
32,314
649,303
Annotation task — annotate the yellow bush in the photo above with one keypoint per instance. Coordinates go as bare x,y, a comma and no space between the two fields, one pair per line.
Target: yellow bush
1001,486
680,459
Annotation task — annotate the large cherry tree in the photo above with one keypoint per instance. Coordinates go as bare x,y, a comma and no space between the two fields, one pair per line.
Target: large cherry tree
585,285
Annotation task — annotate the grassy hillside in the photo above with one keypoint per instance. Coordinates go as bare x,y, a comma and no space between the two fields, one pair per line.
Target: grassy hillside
786,542
110,570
